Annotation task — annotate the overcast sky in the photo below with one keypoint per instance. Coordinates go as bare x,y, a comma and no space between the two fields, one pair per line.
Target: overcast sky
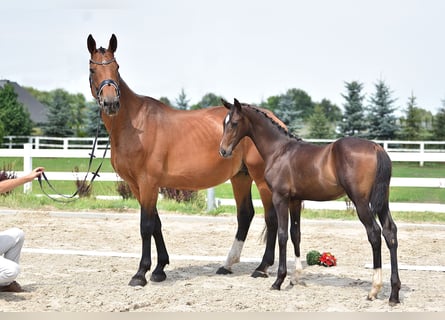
248,49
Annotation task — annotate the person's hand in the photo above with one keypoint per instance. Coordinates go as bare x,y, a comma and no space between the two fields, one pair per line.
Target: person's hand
37,172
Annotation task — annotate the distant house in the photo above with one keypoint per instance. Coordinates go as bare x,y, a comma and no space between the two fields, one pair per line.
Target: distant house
36,109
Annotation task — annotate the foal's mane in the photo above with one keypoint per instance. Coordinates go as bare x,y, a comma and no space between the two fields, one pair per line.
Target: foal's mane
275,124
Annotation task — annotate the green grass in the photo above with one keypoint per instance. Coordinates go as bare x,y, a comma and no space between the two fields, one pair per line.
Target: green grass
18,200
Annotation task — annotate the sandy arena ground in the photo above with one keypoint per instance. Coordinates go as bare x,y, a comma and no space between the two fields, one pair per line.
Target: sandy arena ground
83,262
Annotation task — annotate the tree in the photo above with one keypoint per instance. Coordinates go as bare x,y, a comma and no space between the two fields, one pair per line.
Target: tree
331,111
381,119
93,121
319,125
208,100
292,107
411,124
59,115
439,123
353,120
14,117
165,101
182,102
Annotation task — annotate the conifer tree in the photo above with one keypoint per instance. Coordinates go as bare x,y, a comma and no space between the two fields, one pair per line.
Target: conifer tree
353,120
15,119
381,119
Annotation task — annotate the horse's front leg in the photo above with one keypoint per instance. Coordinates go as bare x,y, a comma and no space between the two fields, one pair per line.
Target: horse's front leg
241,185
150,225
295,235
282,207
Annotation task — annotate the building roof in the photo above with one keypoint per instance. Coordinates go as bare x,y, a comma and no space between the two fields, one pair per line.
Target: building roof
37,110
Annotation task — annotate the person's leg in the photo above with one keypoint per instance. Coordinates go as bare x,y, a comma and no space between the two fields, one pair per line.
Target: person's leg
11,243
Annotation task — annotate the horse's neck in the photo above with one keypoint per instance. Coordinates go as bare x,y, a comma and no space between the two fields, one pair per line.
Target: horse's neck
130,103
266,136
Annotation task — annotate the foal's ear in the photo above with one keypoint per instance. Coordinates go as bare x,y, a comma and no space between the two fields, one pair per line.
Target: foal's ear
112,46
237,105
91,44
226,104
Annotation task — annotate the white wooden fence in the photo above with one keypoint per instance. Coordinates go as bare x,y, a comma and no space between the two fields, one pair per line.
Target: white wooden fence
49,147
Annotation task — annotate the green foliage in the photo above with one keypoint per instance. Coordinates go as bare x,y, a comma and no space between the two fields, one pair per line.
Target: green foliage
165,100
439,124
330,110
319,125
381,119
14,118
93,120
313,257
208,100
353,121
182,102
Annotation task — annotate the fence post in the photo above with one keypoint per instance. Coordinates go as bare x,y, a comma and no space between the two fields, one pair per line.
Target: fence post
422,151
210,199
27,165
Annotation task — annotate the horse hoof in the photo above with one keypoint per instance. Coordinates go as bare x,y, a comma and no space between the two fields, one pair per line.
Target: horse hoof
393,303
275,287
136,281
223,271
259,274
158,277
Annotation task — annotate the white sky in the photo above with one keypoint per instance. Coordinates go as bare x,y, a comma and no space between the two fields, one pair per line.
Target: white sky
248,49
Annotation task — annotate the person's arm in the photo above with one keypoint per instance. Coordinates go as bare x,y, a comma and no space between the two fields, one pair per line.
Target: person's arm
9,184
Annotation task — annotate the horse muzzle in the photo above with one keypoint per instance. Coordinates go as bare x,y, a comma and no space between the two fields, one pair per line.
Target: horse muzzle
110,105
225,153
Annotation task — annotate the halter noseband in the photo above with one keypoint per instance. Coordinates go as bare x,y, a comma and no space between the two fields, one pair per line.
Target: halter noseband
106,81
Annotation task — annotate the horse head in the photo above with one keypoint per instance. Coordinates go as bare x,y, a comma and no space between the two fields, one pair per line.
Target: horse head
234,128
104,75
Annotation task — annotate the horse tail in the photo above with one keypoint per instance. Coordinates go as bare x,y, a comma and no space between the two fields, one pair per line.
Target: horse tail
379,200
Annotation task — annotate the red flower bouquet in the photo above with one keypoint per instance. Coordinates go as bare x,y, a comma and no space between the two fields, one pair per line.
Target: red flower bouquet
327,259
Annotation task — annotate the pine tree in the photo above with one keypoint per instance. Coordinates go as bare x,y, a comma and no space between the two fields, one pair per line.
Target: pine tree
319,125
382,122
14,117
59,115
353,120
411,127
439,123
182,102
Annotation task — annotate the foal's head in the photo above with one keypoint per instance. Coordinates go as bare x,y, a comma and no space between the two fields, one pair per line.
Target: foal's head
235,128
104,75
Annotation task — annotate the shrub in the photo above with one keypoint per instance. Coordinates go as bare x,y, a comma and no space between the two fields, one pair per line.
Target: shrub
83,187
7,173
178,195
124,190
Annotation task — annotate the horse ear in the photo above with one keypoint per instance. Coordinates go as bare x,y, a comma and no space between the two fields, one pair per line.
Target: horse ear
237,105
91,44
113,44
226,104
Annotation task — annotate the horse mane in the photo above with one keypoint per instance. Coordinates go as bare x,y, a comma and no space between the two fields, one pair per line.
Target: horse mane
276,124
101,50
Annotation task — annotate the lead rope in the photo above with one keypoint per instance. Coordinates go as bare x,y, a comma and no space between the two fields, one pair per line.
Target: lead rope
72,198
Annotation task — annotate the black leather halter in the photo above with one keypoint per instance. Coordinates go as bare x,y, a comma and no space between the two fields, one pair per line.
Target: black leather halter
106,82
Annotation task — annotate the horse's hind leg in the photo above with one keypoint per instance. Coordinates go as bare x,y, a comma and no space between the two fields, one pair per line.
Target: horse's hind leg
390,235
241,184
373,231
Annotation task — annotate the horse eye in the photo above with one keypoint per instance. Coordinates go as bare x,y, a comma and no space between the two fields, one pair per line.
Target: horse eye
91,71
234,124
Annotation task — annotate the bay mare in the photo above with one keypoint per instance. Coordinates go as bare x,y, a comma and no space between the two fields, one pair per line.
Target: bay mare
297,170
154,145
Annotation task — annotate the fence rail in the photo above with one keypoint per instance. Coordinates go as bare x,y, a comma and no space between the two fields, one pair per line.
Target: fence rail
44,147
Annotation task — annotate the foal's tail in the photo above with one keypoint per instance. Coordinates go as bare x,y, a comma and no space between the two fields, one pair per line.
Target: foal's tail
379,199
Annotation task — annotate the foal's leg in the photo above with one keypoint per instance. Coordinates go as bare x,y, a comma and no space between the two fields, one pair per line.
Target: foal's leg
241,184
390,235
373,231
295,235
281,205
